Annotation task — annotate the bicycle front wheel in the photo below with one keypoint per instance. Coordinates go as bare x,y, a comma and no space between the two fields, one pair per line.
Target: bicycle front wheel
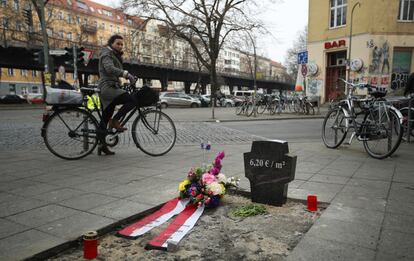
154,132
310,110
239,109
334,128
249,109
70,133
382,133
408,122
261,108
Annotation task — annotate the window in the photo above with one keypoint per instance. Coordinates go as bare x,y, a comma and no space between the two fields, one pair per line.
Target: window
3,3
12,88
70,20
34,73
18,26
70,36
60,16
110,27
49,32
78,19
61,34
99,11
338,13
82,5
16,4
93,10
5,23
10,72
406,10
103,26
35,89
23,72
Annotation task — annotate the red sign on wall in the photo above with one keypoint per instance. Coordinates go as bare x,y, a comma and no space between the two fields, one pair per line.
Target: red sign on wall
335,44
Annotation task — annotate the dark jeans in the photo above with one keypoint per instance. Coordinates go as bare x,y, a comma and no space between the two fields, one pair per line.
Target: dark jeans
128,102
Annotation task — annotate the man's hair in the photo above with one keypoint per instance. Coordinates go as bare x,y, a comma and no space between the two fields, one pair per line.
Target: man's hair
112,39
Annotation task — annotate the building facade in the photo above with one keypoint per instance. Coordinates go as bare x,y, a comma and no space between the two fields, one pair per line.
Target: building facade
89,24
380,51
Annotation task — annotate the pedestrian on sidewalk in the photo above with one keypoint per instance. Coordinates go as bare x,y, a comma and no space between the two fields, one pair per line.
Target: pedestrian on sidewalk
110,70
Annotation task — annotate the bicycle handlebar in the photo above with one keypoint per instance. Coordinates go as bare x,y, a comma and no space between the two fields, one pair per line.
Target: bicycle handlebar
360,85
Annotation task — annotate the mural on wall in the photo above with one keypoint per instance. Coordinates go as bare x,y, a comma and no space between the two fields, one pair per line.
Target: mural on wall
378,71
314,87
380,58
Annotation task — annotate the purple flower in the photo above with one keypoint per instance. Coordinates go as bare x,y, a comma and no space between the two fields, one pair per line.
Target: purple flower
220,155
213,202
214,171
217,162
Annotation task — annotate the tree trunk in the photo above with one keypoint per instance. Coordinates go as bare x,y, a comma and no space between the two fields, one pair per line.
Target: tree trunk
213,86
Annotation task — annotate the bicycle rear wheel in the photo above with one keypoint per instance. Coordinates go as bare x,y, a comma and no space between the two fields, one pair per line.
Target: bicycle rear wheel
154,132
404,112
249,109
334,128
239,109
70,133
383,133
310,110
261,108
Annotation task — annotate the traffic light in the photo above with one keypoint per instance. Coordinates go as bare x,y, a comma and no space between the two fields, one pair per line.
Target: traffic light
68,56
28,17
38,57
80,55
74,53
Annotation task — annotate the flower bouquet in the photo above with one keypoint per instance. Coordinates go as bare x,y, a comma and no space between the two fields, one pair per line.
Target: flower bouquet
206,185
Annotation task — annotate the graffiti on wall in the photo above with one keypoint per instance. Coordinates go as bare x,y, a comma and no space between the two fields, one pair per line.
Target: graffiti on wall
314,87
380,58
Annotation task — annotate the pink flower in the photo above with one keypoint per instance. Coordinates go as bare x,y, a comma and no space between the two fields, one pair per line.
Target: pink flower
220,155
200,196
208,178
207,201
193,193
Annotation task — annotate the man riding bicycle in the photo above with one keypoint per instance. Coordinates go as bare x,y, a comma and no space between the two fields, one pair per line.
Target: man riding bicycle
110,69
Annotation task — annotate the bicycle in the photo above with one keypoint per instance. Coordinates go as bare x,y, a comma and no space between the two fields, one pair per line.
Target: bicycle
72,131
381,122
246,107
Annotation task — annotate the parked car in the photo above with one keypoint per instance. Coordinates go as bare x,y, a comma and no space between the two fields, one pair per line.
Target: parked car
204,102
224,102
38,99
237,101
12,99
178,99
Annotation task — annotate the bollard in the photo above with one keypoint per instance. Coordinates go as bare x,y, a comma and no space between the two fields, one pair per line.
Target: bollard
312,203
90,245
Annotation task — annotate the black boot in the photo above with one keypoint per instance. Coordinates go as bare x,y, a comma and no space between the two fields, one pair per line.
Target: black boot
105,150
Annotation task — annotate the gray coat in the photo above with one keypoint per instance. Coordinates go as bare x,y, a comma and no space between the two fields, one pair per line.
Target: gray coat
110,69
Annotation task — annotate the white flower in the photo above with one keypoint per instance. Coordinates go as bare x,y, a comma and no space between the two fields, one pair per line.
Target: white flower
221,178
215,188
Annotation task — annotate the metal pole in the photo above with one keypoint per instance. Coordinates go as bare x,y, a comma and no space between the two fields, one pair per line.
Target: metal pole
255,74
350,41
44,35
75,67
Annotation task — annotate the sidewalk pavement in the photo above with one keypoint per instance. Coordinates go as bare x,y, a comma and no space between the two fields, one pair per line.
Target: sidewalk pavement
46,202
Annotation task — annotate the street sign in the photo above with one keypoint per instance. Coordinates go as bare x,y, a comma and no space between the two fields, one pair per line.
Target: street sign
57,52
304,70
303,57
87,55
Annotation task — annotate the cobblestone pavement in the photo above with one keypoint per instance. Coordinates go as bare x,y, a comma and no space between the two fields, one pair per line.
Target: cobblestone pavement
20,135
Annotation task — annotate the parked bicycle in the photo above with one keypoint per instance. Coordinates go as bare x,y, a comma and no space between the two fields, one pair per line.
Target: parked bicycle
246,107
380,129
303,105
72,131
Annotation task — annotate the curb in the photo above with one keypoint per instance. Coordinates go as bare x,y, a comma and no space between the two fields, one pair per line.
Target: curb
268,119
105,230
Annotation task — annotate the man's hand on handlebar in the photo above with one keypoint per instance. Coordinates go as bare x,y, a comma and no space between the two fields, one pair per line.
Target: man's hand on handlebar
132,79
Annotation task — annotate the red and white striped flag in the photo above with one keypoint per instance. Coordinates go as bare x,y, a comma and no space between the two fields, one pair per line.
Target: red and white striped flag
180,226
159,217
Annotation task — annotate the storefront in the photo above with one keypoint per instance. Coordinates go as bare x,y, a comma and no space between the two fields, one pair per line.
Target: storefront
381,60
